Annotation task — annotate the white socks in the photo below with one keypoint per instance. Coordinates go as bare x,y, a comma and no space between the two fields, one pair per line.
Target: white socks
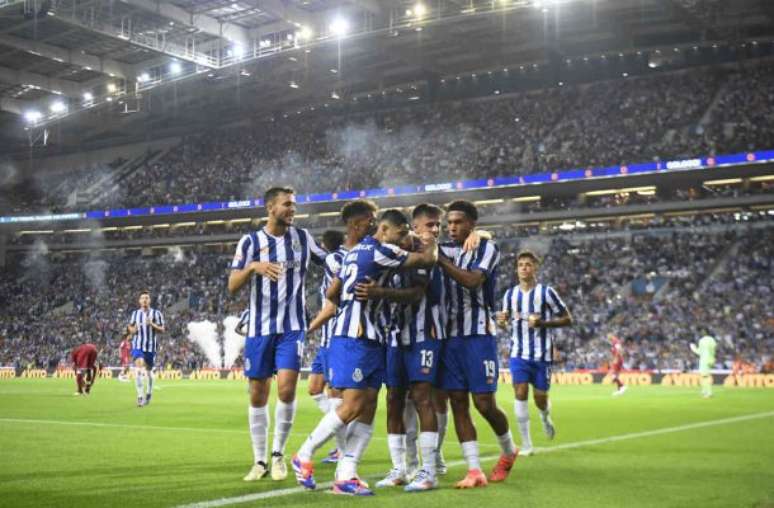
443,423
428,444
506,443
358,436
284,414
397,445
410,421
138,382
341,434
259,431
328,426
149,373
322,401
522,418
470,453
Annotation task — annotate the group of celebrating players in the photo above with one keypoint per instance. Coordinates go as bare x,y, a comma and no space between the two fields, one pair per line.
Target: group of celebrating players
400,309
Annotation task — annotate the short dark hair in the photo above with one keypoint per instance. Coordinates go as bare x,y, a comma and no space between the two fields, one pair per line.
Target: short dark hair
332,239
426,209
465,207
145,292
272,193
394,216
527,254
357,208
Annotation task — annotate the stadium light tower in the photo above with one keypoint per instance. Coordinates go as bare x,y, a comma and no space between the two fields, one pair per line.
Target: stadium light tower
33,116
339,26
58,107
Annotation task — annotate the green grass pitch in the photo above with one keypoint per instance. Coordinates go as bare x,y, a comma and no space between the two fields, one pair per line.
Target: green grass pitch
655,446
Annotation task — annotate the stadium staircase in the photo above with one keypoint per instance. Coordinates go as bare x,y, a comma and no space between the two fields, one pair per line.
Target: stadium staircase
720,264
111,182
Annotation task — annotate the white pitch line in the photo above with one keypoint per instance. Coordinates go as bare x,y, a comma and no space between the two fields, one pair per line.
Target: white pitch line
578,444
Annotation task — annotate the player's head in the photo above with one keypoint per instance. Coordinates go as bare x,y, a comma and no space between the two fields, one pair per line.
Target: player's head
612,338
359,216
461,217
527,264
392,227
145,299
426,218
280,203
332,240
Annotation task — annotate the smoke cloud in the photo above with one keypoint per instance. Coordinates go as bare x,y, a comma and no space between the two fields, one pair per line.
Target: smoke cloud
205,335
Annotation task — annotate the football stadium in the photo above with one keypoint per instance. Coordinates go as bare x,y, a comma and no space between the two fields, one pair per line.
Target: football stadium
420,252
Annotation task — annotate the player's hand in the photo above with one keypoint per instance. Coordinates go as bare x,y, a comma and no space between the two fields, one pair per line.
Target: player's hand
366,290
502,318
471,242
265,269
534,321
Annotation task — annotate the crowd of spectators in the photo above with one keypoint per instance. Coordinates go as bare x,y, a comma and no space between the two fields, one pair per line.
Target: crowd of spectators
695,281
665,116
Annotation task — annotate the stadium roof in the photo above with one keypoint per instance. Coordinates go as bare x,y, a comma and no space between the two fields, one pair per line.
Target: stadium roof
104,69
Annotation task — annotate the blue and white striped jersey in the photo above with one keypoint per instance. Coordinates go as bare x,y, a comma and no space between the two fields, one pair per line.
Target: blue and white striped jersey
145,339
425,320
367,260
278,306
532,343
471,311
333,263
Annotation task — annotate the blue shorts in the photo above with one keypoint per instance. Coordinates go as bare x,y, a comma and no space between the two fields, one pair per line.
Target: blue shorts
266,354
147,357
417,363
536,373
320,363
470,364
355,363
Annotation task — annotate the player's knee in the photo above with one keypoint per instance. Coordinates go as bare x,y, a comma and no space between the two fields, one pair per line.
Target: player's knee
484,403
286,395
459,404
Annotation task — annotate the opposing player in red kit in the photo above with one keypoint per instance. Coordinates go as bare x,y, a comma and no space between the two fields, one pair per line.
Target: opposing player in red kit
125,351
84,359
616,362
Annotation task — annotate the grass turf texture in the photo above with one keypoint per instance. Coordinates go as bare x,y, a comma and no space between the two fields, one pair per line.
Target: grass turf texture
192,445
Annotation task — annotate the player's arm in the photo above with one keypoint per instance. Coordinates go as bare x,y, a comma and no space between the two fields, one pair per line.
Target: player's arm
474,239
558,308
238,278
326,313
470,279
503,316
242,270
559,321
424,259
240,329
160,326
370,290
695,349
333,293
